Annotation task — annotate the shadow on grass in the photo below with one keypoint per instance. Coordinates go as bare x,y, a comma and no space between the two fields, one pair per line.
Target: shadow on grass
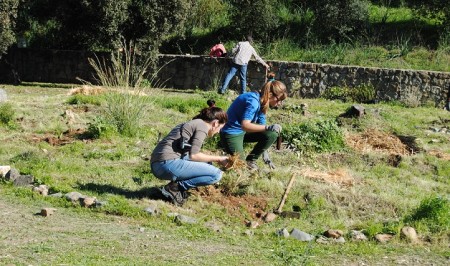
151,192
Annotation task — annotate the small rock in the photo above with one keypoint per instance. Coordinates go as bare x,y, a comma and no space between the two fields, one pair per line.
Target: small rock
383,238
215,227
409,233
41,189
269,217
283,233
23,180
56,195
252,224
73,196
332,233
88,201
152,209
47,211
300,235
248,232
340,240
354,111
358,235
141,229
3,96
12,175
183,219
4,169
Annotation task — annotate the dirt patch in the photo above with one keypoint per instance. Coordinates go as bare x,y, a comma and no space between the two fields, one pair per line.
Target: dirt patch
339,176
244,207
66,138
87,90
373,140
440,154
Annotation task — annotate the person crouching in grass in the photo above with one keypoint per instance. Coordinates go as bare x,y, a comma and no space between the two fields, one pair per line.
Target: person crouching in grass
178,157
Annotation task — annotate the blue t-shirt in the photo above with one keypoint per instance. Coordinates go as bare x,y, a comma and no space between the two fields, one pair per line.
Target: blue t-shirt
246,106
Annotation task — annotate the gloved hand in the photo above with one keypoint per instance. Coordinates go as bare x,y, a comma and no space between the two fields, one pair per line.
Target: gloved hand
267,160
274,127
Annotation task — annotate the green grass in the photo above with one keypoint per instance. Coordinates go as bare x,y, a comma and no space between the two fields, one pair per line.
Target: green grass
114,169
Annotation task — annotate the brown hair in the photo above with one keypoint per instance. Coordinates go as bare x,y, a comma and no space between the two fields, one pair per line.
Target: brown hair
276,88
212,113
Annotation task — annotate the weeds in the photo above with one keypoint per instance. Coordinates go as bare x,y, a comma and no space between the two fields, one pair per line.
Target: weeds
85,99
433,212
314,136
6,113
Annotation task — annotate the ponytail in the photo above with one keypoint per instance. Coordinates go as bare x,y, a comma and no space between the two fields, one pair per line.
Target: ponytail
270,88
212,113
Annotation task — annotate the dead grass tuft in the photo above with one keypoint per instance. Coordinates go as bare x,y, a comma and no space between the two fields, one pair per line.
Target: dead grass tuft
235,163
338,176
440,154
378,141
87,90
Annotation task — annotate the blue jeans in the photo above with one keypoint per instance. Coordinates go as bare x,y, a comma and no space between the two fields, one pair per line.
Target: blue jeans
242,77
188,174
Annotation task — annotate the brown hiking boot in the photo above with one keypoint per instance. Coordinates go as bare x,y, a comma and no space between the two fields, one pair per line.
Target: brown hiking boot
173,192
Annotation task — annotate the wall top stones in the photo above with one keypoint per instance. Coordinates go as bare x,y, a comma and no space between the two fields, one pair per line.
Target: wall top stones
303,79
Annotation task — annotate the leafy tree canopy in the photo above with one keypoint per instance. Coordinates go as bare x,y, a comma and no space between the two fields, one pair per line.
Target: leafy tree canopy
8,14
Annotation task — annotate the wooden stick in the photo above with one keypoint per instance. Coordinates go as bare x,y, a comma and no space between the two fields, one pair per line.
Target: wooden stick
286,192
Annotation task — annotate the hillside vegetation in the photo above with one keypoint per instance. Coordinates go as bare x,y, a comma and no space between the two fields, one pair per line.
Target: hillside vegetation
376,174
403,34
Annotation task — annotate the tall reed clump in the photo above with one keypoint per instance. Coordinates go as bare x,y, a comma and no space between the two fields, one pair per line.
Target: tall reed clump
124,77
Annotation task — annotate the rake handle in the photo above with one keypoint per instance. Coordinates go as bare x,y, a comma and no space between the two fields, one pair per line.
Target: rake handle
286,192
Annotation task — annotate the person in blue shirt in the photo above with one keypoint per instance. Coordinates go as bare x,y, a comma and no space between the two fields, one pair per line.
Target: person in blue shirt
247,122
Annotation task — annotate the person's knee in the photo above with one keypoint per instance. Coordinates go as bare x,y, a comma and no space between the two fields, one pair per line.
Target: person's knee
271,136
217,177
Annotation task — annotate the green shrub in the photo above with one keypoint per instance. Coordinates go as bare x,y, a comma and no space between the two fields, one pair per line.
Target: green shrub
433,212
6,113
101,128
314,136
85,99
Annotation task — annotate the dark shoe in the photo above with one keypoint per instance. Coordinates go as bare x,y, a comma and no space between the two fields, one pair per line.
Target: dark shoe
251,165
172,192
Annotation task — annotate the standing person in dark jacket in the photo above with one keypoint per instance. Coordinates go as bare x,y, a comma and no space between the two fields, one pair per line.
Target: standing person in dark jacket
242,52
247,122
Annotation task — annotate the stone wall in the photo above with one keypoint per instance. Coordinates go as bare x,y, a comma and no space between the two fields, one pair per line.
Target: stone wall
306,80
309,80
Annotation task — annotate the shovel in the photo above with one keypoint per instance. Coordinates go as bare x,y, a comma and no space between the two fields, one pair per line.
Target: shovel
287,214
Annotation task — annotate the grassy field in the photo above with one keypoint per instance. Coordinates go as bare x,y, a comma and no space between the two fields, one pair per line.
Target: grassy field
392,169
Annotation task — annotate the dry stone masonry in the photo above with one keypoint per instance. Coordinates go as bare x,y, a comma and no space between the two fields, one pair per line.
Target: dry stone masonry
303,79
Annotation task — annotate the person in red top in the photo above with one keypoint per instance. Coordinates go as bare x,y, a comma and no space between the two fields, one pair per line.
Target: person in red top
218,50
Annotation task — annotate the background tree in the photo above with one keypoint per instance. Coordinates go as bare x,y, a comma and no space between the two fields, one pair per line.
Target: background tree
8,14
338,20
255,17
100,24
